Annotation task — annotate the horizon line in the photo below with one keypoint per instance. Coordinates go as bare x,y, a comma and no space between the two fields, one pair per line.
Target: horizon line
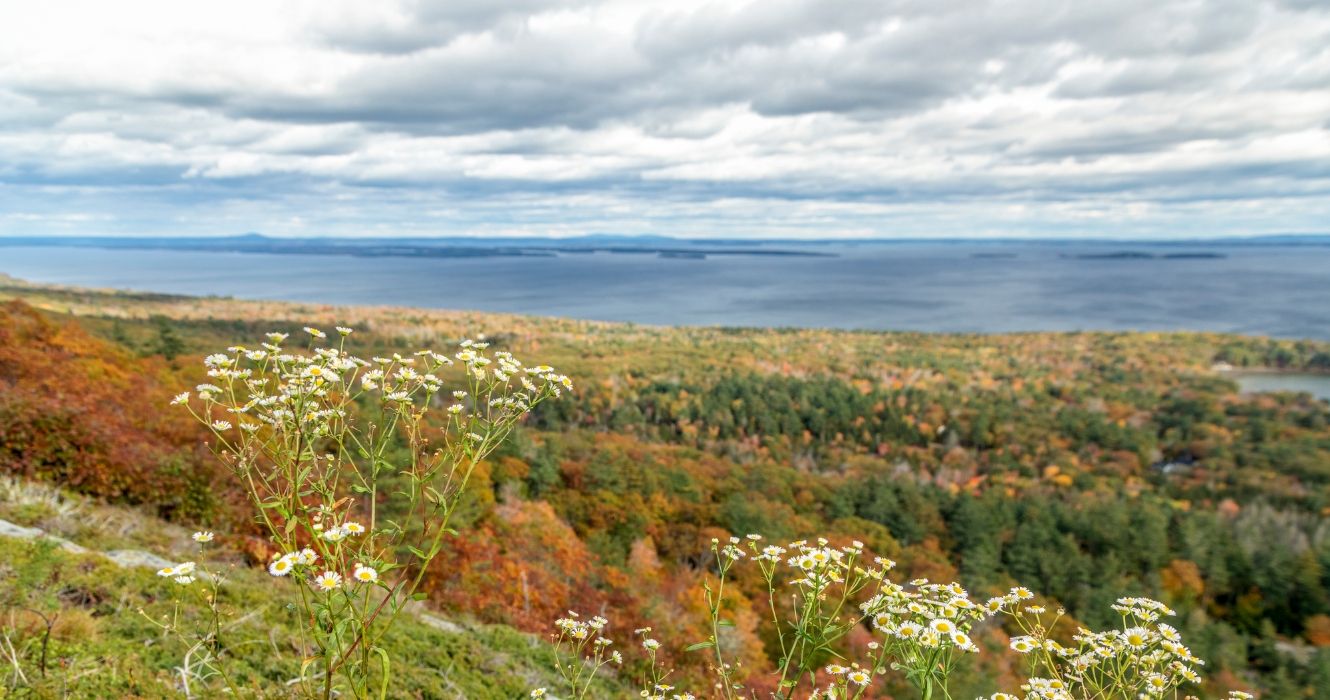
480,237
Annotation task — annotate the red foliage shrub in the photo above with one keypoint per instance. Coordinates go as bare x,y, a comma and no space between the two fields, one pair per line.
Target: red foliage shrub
85,414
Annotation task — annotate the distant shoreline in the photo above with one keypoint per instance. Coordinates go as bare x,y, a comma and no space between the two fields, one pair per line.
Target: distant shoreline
1320,239
387,249
1270,371
915,288
1137,255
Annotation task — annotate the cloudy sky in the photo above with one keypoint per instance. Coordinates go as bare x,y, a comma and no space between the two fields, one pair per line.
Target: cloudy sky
801,118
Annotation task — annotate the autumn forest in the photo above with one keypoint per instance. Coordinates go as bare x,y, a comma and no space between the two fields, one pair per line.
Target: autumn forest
1085,466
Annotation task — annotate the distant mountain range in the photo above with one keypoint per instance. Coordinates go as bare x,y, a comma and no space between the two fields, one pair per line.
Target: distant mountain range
534,246
451,247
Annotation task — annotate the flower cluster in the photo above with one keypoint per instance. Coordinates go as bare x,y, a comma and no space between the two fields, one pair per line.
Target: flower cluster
851,674
202,642
577,629
188,572
286,563
327,444
283,389
328,580
580,650
925,628
930,615
653,678
1142,658
825,580
340,532
664,691
182,573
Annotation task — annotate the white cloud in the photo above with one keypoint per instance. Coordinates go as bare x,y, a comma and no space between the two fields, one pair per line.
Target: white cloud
775,117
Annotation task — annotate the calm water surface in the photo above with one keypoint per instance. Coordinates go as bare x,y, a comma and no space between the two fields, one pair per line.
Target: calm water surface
1317,385
1280,291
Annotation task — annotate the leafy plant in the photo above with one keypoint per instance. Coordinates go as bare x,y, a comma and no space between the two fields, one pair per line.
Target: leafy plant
355,487
922,629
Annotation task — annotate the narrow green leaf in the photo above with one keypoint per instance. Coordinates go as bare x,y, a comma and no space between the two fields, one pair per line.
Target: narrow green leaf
387,666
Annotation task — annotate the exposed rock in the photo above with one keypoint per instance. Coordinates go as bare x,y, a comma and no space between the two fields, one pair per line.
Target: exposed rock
137,558
439,623
8,529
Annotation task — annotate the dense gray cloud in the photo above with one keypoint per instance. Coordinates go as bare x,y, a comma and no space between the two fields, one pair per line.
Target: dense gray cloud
742,118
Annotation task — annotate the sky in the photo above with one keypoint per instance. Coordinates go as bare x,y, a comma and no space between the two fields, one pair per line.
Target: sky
774,118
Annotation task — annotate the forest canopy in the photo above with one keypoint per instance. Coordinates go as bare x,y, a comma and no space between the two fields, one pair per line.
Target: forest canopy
1086,466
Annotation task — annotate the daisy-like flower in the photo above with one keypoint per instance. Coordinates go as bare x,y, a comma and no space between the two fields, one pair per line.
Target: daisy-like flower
184,580
202,536
343,330
315,332
281,566
1136,637
216,360
859,677
328,581
650,644
166,571
306,557
353,528
942,626
365,574
317,372
221,425
336,534
538,693
180,399
1022,645
962,641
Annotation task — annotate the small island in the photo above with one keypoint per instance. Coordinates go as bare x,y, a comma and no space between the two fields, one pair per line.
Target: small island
1139,255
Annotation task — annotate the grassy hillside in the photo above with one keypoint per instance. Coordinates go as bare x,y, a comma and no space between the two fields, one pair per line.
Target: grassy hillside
101,643
1083,465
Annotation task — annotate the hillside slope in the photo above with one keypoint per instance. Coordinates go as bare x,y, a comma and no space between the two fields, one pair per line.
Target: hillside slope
101,645
1083,465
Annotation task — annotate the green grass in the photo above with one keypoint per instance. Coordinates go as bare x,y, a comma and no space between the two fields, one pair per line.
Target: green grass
102,645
